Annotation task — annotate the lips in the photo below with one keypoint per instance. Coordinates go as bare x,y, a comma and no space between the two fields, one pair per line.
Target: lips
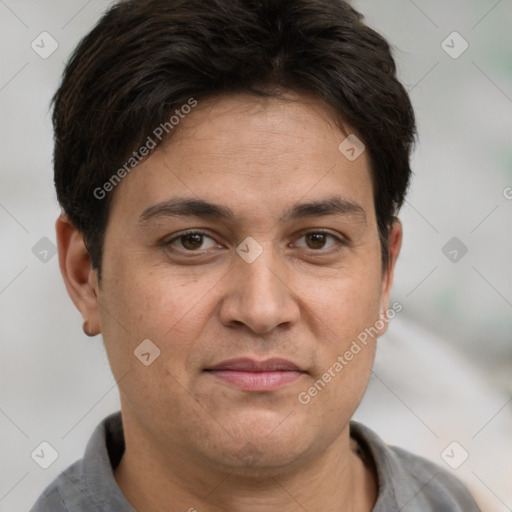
250,365
252,375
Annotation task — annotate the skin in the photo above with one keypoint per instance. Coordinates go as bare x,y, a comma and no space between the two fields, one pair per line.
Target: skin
185,430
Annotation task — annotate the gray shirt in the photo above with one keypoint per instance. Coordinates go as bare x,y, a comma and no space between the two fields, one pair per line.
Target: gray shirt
406,482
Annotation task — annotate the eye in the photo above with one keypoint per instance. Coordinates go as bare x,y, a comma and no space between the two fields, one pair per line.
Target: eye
194,241
316,240
190,241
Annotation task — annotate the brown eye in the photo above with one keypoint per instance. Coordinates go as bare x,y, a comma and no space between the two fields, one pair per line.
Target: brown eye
190,242
316,240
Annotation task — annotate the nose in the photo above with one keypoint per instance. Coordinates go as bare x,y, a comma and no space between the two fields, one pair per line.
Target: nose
259,295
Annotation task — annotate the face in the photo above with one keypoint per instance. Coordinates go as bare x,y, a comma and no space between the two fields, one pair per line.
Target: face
252,311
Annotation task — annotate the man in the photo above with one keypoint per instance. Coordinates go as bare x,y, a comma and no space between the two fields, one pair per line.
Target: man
230,173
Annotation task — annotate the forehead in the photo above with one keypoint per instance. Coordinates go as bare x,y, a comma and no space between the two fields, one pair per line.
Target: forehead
252,154
291,128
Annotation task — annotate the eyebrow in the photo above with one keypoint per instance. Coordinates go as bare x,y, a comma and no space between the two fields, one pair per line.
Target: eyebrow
192,207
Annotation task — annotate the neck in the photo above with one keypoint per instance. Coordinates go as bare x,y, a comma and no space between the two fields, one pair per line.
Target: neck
153,479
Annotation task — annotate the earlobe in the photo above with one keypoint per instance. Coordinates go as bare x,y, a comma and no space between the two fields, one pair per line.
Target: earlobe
79,276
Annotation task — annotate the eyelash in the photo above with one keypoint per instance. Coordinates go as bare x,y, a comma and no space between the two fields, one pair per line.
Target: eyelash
339,241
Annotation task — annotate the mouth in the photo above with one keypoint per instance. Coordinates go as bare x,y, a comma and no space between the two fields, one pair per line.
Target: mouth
251,375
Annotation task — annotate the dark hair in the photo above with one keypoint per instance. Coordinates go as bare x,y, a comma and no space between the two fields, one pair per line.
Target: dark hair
146,58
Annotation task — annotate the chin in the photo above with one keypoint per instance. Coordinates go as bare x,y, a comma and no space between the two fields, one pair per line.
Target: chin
262,449
252,463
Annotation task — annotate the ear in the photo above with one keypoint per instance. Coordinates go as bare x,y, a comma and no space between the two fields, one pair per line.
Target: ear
394,245
80,278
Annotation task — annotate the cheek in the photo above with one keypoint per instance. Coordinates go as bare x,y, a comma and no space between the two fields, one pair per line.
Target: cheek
345,353
345,312
167,307
150,307
344,303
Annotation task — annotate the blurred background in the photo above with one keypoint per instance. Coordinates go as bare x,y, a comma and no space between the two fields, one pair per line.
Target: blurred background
442,384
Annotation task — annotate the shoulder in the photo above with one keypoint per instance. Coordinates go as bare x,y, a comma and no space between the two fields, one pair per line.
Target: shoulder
411,483
89,484
49,501
427,484
56,495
